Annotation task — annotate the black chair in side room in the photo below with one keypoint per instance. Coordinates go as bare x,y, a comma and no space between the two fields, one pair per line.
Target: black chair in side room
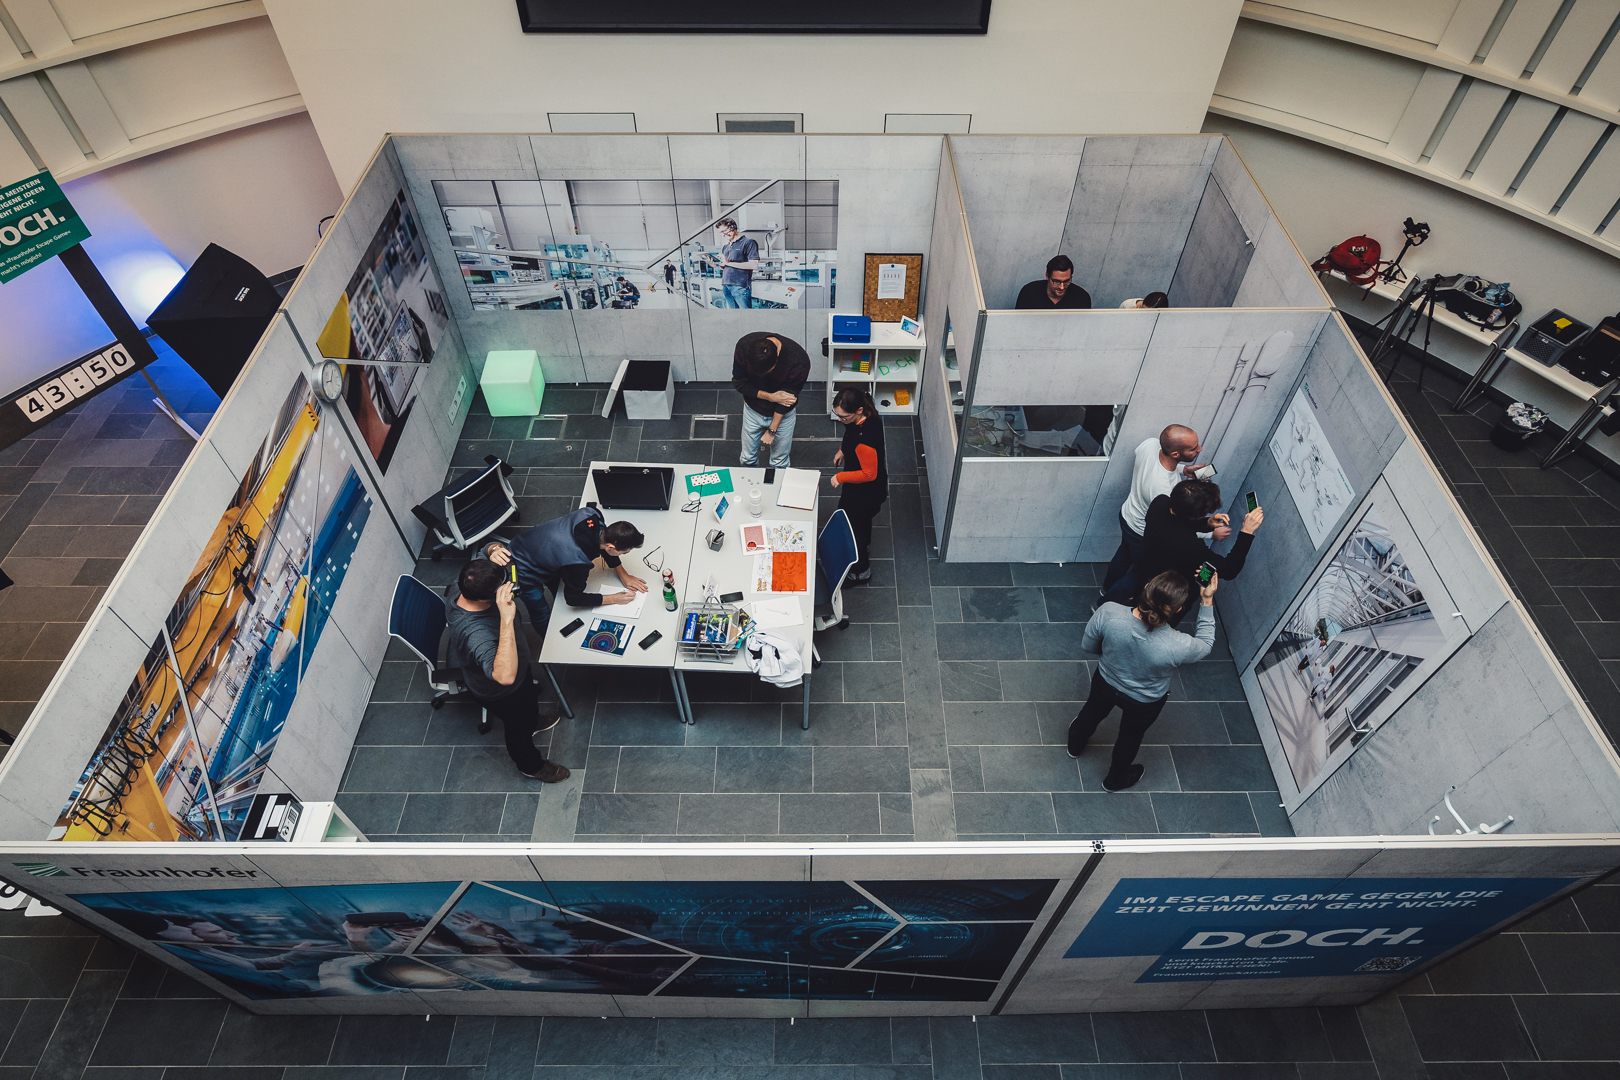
416,618
468,511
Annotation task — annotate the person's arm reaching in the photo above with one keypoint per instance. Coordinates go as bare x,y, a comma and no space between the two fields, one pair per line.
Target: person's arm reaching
505,668
574,579
1230,565
867,456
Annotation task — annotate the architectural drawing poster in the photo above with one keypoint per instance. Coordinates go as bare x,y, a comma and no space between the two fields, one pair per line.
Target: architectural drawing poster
1310,468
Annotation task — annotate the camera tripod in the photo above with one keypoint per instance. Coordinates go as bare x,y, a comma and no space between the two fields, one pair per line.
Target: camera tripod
1415,232
1416,305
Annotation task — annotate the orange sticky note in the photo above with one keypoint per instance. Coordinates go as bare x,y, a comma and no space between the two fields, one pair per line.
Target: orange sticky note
790,571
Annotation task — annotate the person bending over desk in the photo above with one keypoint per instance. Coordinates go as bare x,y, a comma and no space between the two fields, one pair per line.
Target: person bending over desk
1140,650
865,484
1057,291
563,551
769,371
1171,542
494,656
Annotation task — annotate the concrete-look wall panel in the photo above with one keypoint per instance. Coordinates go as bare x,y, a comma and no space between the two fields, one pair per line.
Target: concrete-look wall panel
1396,781
550,333
43,766
886,196
601,157
1248,202
715,331
1061,357
1017,191
608,337
737,157
467,157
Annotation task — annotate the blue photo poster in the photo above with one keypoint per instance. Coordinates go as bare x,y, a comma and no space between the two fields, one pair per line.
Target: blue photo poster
1288,928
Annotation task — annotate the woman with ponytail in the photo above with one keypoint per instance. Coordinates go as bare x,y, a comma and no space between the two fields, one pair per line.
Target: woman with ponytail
1140,649
865,483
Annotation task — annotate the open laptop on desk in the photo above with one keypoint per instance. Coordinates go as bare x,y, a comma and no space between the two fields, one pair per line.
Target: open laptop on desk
633,487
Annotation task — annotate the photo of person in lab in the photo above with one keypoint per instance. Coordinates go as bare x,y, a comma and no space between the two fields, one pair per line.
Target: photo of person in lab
738,259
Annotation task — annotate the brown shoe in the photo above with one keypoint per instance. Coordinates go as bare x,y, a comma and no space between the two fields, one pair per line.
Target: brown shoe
547,722
550,773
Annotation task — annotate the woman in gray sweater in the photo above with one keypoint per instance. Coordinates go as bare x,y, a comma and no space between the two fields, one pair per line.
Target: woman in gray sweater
1139,651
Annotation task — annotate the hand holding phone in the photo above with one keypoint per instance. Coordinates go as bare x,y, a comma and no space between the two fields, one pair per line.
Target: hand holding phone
1207,587
1251,501
1201,472
1252,520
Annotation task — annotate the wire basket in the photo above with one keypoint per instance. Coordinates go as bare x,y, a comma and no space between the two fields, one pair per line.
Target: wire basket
712,631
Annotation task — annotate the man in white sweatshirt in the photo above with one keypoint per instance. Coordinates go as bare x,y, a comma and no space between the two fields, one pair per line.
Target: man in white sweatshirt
1157,466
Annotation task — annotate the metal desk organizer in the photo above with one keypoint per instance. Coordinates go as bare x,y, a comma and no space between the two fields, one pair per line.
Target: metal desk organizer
698,623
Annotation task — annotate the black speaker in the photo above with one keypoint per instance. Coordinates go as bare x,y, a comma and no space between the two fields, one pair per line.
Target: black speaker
216,315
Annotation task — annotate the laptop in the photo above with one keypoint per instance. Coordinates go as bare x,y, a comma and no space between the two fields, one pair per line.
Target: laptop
633,487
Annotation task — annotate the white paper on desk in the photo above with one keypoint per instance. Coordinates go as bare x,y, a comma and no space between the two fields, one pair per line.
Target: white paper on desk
764,565
799,488
774,614
623,612
787,535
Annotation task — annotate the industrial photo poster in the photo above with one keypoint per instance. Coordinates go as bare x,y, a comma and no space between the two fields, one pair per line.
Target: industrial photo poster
175,766
391,314
927,940
624,245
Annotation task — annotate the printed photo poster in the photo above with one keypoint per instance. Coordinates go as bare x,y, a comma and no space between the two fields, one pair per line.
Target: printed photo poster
1310,468
391,314
1353,646
835,940
632,245
1193,929
175,766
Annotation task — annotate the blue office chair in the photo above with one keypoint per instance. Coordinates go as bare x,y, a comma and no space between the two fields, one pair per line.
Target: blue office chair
468,511
835,556
416,618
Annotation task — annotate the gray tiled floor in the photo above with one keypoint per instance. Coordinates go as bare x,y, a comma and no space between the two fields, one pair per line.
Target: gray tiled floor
940,713
1535,1003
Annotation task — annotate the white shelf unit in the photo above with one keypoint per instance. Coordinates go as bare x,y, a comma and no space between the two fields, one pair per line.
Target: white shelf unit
896,367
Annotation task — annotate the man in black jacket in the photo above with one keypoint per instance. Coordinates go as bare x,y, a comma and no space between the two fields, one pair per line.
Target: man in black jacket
1170,540
768,370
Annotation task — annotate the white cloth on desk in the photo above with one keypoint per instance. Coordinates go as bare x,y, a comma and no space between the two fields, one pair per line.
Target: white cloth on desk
775,659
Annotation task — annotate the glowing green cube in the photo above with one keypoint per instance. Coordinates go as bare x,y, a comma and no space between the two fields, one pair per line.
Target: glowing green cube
513,382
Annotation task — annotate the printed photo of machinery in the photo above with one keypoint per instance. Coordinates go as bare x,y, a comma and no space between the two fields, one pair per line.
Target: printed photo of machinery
537,245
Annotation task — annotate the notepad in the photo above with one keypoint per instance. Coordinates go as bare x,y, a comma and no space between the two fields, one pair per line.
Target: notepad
799,488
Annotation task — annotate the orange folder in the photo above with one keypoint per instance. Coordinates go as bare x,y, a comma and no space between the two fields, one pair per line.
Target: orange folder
790,571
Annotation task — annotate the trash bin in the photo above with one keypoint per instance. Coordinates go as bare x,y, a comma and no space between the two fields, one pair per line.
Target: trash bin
1522,423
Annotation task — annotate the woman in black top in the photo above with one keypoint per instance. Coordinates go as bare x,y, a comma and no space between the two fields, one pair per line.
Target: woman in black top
1170,537
865,483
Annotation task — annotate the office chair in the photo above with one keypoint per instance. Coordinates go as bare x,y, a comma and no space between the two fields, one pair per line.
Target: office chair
463,513
416,618
835,555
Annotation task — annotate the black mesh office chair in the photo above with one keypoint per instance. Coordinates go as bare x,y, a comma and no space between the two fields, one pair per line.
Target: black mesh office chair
468,511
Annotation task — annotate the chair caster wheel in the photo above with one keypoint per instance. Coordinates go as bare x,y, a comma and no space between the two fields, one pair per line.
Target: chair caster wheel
485,727
815,662
438,703
843,624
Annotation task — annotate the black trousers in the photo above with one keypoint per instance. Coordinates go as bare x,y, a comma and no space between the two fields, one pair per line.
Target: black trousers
861,510
1136,717
519,713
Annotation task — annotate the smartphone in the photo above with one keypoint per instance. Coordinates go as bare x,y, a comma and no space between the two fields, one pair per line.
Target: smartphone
770,476
731,598
1204,574
1252,501
511,572
648,641
1203,472
571,627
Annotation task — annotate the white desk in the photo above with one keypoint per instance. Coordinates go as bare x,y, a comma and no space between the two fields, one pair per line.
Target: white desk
675,540
669,536
733,572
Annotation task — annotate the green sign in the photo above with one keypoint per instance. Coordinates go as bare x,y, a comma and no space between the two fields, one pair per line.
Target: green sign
709,483
36,223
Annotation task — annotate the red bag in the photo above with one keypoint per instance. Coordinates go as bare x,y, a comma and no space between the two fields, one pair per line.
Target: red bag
1357,259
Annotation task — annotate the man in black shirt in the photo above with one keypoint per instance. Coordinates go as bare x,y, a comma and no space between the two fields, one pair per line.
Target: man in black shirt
1057,291
493,655
559,555
768,370
1170,538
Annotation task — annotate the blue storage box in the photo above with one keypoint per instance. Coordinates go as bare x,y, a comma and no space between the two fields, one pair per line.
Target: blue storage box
851,330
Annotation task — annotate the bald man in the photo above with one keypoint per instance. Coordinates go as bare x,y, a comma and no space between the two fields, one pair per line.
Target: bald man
1157,466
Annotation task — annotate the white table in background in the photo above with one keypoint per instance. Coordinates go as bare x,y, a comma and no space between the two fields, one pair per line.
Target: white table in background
733,572
669,538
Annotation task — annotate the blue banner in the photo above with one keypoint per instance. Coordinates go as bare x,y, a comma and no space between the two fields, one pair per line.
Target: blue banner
1289,928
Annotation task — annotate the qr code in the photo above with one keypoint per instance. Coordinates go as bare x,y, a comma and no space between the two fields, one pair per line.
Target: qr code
1389,963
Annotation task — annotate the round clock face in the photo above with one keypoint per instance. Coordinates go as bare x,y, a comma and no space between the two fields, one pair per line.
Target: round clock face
331,380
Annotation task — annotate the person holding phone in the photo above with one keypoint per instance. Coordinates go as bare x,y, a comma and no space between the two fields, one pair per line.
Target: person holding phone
865,483
494,658
1171,539
1157,465
1139,650
738,259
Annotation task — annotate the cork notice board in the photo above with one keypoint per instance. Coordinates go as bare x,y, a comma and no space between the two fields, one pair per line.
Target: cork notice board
891,310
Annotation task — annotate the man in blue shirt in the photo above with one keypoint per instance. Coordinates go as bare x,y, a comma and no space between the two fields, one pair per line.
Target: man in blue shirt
739,258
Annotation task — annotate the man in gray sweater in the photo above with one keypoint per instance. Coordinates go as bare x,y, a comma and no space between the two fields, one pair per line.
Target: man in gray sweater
1139,651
